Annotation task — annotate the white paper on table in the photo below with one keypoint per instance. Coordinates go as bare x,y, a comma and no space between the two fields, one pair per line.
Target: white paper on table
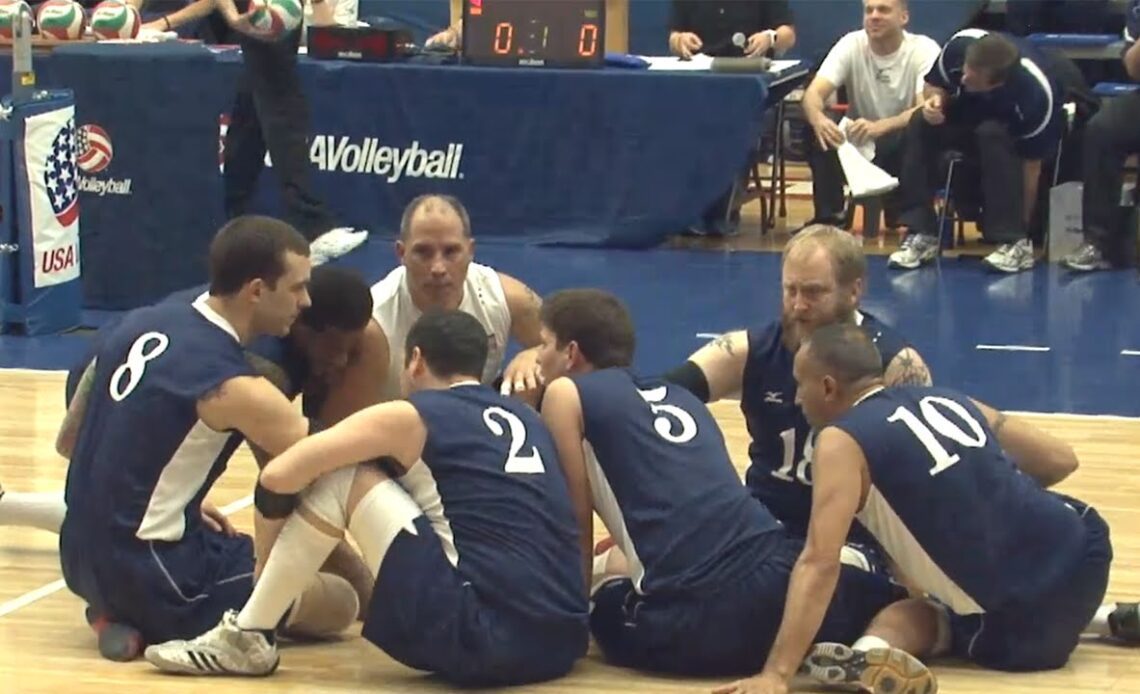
700,61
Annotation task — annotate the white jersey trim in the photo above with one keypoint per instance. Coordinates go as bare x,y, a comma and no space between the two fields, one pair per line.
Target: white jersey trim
902,546
181,479
606,504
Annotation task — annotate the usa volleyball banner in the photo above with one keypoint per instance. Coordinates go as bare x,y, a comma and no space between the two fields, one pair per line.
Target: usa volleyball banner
53,195
48,295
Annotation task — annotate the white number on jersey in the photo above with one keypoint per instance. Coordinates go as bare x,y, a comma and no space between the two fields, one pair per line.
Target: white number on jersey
663,424
529,464
932,418
803,469
135,365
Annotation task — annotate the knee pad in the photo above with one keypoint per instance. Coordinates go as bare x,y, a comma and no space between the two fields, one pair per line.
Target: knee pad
328,606
327,497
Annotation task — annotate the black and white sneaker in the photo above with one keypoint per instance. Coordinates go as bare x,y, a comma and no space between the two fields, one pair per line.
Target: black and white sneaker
878,670
224,650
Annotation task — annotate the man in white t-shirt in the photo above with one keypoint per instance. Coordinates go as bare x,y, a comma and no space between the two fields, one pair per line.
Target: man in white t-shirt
882,67
436,272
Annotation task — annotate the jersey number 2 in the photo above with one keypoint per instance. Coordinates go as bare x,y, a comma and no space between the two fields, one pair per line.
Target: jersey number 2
134,367
529,464
934,421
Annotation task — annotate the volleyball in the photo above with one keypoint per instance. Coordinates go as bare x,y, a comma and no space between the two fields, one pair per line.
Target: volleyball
112,19
9,10
275,18
61,19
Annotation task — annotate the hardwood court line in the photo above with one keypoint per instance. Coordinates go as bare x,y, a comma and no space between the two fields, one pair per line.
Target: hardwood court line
1012,348
57,585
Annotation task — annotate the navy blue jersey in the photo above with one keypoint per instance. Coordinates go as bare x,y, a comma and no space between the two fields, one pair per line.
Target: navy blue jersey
280,351
951,509
143,459
780,473
665,487
492,486
1029,103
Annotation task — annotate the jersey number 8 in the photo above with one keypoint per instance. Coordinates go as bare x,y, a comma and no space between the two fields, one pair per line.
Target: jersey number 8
135,365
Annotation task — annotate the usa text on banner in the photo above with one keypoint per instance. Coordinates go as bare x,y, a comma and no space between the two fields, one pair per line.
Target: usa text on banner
53,194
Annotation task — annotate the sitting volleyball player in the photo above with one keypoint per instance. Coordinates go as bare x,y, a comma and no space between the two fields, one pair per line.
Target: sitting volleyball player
171,397
702,567
823,277
955,493
327,344
474,543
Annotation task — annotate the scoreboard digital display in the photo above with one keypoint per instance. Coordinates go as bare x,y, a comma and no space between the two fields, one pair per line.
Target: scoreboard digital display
534,33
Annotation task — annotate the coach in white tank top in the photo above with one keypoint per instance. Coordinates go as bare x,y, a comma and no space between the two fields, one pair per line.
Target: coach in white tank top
882,67
437,272
483,298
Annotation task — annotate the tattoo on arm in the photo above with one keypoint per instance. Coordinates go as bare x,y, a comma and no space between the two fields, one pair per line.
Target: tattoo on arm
724,342
533,300
999,423
909,371
86,381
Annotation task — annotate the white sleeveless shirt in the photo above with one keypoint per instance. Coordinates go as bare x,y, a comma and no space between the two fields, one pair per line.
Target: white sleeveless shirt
483,298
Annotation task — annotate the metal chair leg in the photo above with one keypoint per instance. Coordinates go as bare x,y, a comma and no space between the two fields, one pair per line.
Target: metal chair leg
945,205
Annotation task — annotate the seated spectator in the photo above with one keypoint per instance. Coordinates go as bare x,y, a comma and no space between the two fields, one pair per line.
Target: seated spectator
882,67
1110,137
1000,102
708,27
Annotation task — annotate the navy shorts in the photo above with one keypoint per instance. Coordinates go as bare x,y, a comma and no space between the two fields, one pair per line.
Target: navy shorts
165,590
728,629
1042,633
426,616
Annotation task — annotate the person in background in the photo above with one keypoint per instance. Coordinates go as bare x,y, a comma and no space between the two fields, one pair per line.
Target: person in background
882,67
729,28
1109,138
271,112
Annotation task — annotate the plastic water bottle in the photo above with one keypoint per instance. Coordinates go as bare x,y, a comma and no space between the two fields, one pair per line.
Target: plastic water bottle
738,39
23,77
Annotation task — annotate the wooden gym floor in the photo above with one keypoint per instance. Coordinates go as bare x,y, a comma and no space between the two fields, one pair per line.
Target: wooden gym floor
45,644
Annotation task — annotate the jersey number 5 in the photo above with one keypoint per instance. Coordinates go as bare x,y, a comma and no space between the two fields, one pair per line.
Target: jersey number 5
663,424
529,464
134,367
934,421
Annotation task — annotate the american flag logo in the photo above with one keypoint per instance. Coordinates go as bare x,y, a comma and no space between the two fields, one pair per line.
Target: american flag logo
59,176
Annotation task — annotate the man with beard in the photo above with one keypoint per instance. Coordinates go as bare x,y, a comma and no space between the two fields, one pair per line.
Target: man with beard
824,276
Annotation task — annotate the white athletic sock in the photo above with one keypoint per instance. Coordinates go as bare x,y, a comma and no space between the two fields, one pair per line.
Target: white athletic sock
866,643
35,510
297,555
1099,625
378,518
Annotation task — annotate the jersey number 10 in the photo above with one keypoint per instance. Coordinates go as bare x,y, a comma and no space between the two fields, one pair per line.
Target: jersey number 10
934,421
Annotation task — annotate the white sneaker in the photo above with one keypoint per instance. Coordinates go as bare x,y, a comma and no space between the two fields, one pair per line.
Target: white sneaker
915,250
1011,257
878,670
224,650
334,243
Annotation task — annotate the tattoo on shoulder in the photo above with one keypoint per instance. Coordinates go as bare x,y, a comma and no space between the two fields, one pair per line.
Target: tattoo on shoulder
724,343
533,298
999,422
907,370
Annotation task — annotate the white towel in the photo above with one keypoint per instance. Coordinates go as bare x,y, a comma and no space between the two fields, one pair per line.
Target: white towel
863,178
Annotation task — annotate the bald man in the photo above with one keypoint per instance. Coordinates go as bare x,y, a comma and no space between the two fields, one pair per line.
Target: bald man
437,272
